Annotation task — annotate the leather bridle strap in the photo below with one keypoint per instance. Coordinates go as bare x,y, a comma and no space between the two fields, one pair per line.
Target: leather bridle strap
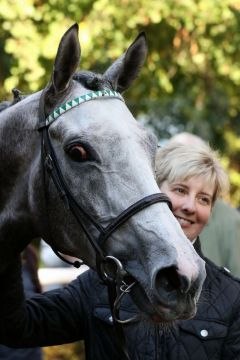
132,210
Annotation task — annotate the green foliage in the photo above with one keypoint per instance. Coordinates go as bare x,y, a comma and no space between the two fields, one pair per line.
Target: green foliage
192,76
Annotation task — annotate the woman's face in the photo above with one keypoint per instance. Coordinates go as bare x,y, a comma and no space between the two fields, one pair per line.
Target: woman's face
192,202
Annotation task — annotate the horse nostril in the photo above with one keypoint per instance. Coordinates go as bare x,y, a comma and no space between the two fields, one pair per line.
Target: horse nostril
185,284
169,280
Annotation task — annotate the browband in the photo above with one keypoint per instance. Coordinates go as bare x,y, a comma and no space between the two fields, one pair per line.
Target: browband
77,101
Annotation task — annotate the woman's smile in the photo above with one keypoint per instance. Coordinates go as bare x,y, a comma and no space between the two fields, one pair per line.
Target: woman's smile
192,201
184,222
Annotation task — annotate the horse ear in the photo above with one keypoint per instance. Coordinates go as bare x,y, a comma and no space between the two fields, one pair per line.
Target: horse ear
67,59
126,68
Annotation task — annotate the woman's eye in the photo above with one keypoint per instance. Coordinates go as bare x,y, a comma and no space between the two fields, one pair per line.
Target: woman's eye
179,190
78,153
205,200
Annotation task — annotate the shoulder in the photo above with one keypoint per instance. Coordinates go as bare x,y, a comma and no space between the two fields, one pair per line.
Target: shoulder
219,301
214,271
222,272
221,283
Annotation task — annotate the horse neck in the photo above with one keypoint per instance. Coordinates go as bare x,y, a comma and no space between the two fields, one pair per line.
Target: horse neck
17,148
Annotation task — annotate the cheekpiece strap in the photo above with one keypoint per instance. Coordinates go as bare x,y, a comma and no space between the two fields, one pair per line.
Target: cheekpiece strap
79,100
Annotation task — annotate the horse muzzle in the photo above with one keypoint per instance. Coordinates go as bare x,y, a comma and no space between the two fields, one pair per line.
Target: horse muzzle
172,295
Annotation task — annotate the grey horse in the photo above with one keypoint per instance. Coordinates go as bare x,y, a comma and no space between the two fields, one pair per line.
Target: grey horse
106,159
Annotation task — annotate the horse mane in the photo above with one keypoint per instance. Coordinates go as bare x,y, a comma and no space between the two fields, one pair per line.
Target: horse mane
4,105
16,98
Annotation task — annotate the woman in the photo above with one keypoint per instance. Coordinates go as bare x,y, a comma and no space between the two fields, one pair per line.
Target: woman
193,179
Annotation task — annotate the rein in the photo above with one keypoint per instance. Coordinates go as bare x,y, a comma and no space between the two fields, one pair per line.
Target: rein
109,268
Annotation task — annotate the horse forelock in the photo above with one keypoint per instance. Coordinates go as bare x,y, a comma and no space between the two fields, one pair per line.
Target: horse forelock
92,81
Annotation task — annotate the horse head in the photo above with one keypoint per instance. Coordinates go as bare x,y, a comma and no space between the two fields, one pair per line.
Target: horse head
105,159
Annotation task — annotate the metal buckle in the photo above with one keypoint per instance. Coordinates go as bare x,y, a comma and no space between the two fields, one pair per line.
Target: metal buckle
111,269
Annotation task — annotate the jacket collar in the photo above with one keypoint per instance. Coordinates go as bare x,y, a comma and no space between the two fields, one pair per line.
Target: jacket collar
198,248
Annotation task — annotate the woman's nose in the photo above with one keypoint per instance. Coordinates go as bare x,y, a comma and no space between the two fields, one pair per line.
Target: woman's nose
189,205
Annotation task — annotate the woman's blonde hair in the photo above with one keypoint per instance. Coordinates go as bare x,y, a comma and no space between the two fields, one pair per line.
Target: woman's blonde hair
176,161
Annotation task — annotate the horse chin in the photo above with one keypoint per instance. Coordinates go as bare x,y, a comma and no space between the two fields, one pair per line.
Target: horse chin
159,312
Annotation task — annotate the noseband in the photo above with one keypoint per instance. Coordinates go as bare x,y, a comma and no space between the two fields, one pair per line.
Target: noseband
109,268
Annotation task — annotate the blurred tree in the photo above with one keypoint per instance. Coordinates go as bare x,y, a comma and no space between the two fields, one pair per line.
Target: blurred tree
192,75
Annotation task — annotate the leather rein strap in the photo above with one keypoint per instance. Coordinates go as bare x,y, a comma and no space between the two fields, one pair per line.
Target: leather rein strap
85,220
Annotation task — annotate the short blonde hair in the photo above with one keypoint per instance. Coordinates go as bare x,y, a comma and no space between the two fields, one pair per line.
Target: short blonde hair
176,161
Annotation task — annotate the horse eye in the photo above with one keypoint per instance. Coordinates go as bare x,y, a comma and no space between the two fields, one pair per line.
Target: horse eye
78,153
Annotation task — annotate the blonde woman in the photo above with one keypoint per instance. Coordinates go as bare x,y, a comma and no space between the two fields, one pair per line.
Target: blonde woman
193,178
220,239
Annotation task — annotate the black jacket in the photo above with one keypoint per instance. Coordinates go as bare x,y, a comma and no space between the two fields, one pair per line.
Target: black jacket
80,311
35,353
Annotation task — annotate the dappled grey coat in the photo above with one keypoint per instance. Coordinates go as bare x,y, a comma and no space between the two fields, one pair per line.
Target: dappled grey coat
80,311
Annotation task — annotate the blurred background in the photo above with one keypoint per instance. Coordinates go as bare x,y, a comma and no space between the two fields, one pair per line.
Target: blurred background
190,82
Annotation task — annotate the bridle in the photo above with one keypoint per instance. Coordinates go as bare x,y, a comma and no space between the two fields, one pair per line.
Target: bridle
114,278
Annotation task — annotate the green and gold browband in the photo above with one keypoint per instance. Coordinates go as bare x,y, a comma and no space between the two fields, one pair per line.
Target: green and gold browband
81,99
